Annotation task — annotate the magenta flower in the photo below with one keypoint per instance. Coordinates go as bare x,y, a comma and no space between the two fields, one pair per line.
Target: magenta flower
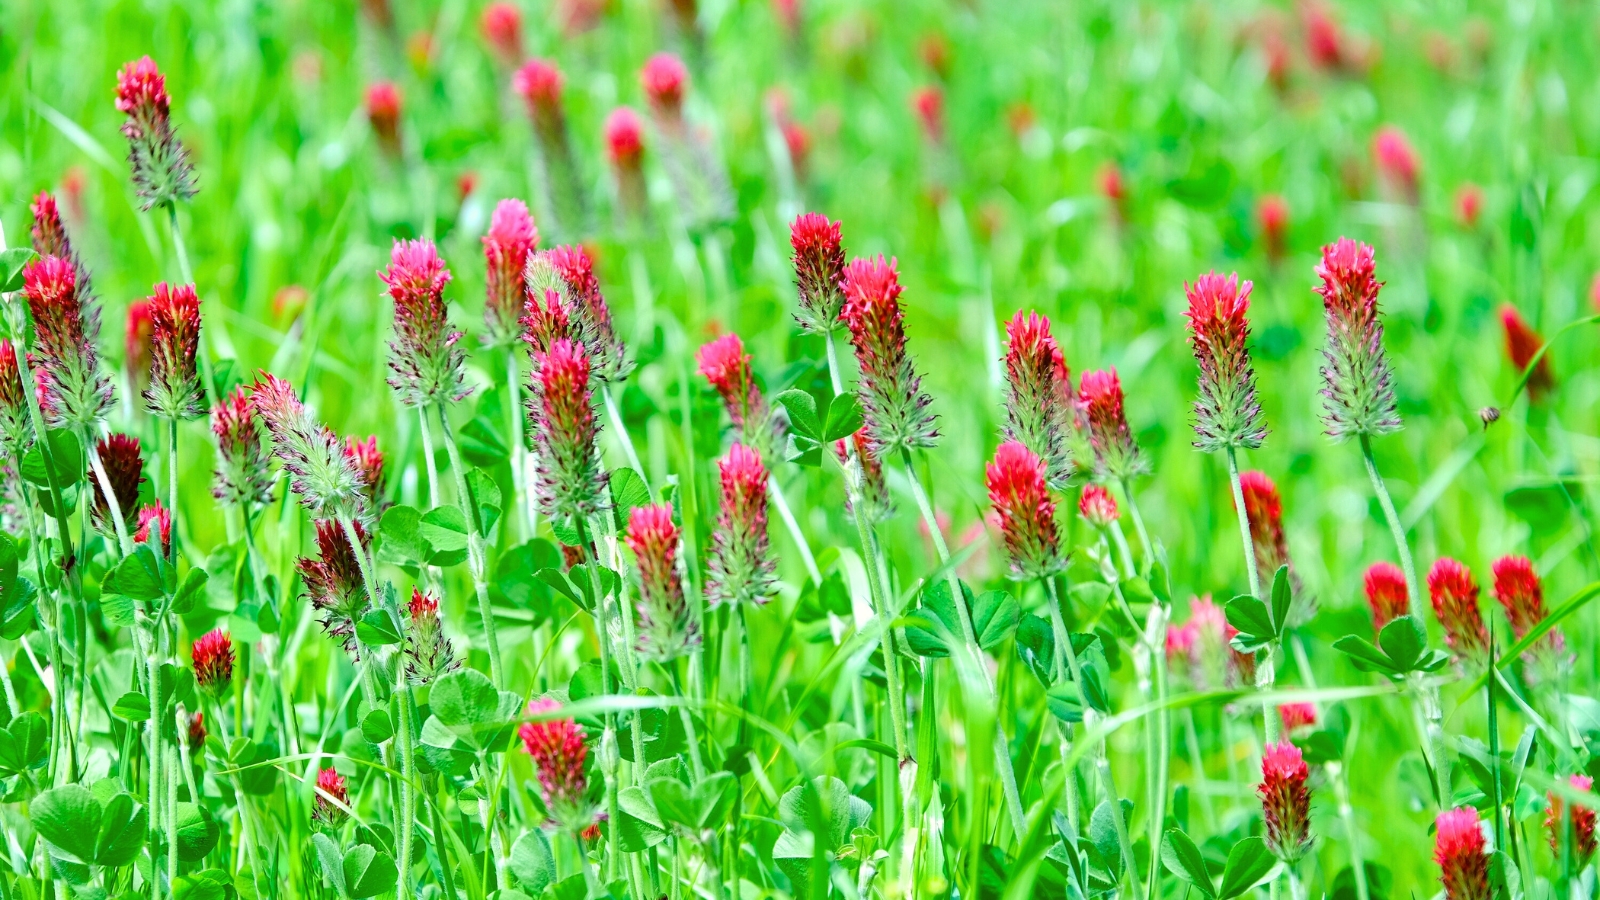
328,485
212,654
1580,834
333,799
333,583
123,462
1385,588
428,653
1455,602
162,173
569,480
174,390
49,234
539,83
855,453
1116,454
818,271
559,753
741,568
1397,161
512,238
1016,483
547,319
501,25
383,114
726,366
65,328
1461,852
928,103
1213,660
1296,716
367,460
1285,801
1264,510
667,629
1272,215
1097,506
139,344
1358,393
1522,343
624,137
155,524
1227,413
665,80
892,401
16,423
1521,595
197,732
242,478
1039,401
426,365
607,352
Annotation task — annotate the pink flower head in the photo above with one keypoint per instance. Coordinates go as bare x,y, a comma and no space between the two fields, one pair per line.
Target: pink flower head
726,366
1522,342
383,113
788,13
1020,497
333,583
818,270
1272,216
139,344
16,423
1325,41
1520,594
624,135
667,629
1181,640
1455,602
1097,506
1385,587
1264,510
1297,715
892,401
539,83
162,173
569,479
741,568
512,238
501,25
212,654
1461,852
559,753
1117,455
1594,293
367,461
65,329
928,103
1213,661
333,799
1039,400
197,731
1113,187
608,354
428,653
1397,161
174,390
1227,413
1358,386
123,462
1285,801
856,454
328,485
665,79
1469,205
545,322
155,525
49,234
425,364
1579,827
242,478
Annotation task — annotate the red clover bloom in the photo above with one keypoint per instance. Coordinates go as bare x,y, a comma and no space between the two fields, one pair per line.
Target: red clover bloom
16,423
624,137
569,479
607,353
124,466
1097,506
155,523
333,583
383,113
1116,454
174,391
1522,342
425,363
333,799
856,454
1385,587
367,460
162,173
1227,413
726,365
665,79
428,653
139,338
1264,509
1272,215
539,83
667,629
328,484
242,478
212,654
1461,852
50,238
65,328
512,238
559,753
1038,394
1016,483
1285,801
892,401
501,25
1455,603
1581,836
1358,393
819,271
1520,594
1397,161
1295,716
741,568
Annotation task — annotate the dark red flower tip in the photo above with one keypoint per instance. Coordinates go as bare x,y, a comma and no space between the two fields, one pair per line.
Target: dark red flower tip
1461,852
1097,506
174,390
383,113
894,406
1385,588
1325,41
142,89
197,732
1469,205
123,461
1285,800
1522,342
741,568
558,750
501,25
664,79
49,233
1397,161
1017,490
333,798
1454,593
1228,413
928,103
1272,217
818,245
1581,821
624,136
1101,402
1111,185
539,82
212,654
366,460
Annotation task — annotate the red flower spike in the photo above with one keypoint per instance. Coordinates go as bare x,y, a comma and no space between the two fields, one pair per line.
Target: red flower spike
1039,401
212,654
333,583
1100,399
1097,506
559,752
539,82
139,344
65,330
726,366
1285,801
855,453
1181,647
1469,205
1461,852
197,732
1272,216
512,238
426,365
16,423
328,485
367,460
1212,660
501,25
569,480
624,135
1397,161
1581,822
174,390
667,629
1455,602
158,519
1520,594
665,80
124,466
242,478
49,234
819,271
608,354
1020,497
1358,386
1264,510
428,653
741,568
1325,42
928,104
1522,342
383,114
893,405
1227,413
162,173
333,799
1385,587
1297,715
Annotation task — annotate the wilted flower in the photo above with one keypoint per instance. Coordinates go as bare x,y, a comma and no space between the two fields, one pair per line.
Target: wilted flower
855,453
333,799
1295,716
1385,587
383,113
1519,593
1522,342
333,583
1117,455
328,484
558,751
1097,506
1020,497
624,137
425,363
1580,825
1227,413
174,390
162,173
1461,852
1455,603
893,405
818,271
512,238
1358,396
124,467
1397,161
1272,216
726,366
569,479
1285,801
1264,510
501,25
741,568
427,651
242,478
16,423
212,654
1038,394
65,328
667,629
155,523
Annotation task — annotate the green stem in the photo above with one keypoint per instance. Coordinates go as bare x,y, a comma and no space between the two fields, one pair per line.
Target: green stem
439,845
408,814
1402,547
1265,671
1138,522
623,437
1347,814
519,481
1155,644
172,485
187,274
98,467
477,549
781,504
427,457
607,688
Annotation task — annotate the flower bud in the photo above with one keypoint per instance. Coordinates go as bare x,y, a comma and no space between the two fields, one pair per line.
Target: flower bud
1285,801
893,405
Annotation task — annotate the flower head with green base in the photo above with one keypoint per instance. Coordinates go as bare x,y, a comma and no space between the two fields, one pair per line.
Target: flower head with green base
1358,385
1228,412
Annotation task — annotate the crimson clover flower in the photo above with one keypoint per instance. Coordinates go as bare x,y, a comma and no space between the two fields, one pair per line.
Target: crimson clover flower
1295,716
333,583
608,354
16,423
892,402
512,238
139,344
197,731
1272,215
1264,510
741,568
559,753
383,114
624,137
155,524
329,486
568,480
428,653
367,460
664,79
174,390
49,234
818,271
667,629
928,103
425,364
242,478
501,25
1097,506
1461,852
1117,456
1285,801
726,365
162,173
1522,342
539,82
1454,593
1017,489
545,322
212,654
855,453
1213,662
1038,394
1228,412
65,328
1385,587
1580,826
333,799
1397,161
1521,595
1358,393
123,462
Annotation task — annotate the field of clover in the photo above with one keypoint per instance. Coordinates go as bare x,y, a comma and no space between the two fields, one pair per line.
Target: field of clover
799,449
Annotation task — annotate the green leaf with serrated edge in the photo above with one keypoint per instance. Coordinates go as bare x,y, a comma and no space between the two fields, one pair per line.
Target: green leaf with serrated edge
641,827
802,409
1250,616
844,418
1364,656
1404,642
1282,597
368,872
803,451
1183,859
24,743
1248,862
378,629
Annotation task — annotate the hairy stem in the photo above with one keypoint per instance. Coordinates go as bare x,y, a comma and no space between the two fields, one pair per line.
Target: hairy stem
477,549
1402,546
628,451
